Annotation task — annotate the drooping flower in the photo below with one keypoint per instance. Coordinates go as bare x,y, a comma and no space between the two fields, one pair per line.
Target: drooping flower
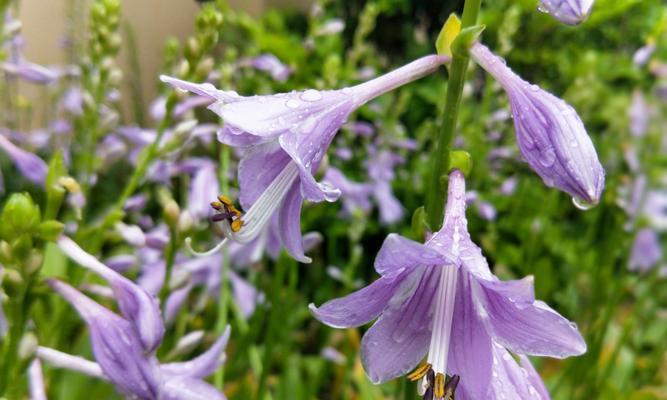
441,298
286,136
550,134
646,251
30,165
122,359
571,12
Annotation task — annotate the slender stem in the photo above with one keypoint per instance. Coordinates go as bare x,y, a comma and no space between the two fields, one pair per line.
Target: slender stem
440,164
223,296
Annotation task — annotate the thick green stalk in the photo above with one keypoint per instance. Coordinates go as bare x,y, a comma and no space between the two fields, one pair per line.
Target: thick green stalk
437,187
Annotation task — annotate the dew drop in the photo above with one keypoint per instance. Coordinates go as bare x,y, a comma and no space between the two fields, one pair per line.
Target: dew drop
547,157
291,103
311,95
582,204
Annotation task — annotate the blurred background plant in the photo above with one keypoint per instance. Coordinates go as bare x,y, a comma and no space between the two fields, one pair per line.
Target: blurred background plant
130,176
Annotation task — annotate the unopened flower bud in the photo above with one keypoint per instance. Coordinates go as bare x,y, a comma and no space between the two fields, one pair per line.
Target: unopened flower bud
571,12
27,346
172,213
20,215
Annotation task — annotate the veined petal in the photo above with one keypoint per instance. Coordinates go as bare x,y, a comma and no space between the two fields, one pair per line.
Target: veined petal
399,254
138,306
203,365
400,338
289,223
514,381
59,359
359,307
259,166
470,356
550,134
524,325
203,89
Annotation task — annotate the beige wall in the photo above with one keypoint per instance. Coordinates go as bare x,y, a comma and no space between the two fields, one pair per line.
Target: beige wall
153,21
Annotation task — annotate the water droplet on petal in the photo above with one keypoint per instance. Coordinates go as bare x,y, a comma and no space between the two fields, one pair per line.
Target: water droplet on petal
291,103
547,157
311,95
582,204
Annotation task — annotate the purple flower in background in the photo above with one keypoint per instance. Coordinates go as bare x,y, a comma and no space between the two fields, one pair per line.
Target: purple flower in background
441,298
571,12
272,65
204,186
286,136
30,165
36,380
31,72
380,167
646,251
639,114
355,196
643,54
550,134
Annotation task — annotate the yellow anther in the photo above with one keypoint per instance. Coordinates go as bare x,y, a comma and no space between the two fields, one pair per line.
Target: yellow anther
216,205
439,389
419,372
226,201
237,224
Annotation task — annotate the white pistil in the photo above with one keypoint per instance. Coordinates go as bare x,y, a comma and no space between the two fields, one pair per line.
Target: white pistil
259,214
442,324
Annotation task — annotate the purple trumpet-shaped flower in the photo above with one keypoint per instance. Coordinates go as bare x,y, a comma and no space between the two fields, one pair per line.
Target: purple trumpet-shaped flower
122,360
355,196
31,72
139,307
441,299
571,12
550,134
30,165
646,251
515,380
115,346
286,136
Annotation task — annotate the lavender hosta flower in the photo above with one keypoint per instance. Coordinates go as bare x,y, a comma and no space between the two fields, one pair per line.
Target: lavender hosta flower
515,380
115,346
30,165
286,136
122,360
655,209
646,251
138,306
550,134
272,65
639,114
204,185
571,12
441,299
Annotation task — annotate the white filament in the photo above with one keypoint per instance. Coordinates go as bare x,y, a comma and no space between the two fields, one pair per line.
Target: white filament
259,213
442,325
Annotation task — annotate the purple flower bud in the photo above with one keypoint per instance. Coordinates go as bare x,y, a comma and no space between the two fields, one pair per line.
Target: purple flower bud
571,12
36,379
31,72
643,54
31,166
550,134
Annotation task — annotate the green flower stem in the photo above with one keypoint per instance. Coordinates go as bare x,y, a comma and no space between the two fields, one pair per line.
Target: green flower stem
438,183
223,297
